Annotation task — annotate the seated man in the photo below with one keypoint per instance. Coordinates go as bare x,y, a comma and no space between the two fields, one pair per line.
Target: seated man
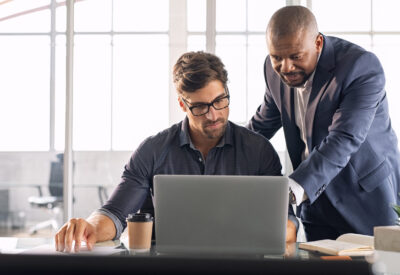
204,143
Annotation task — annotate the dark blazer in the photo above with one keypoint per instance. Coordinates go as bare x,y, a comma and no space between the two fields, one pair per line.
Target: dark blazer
354,156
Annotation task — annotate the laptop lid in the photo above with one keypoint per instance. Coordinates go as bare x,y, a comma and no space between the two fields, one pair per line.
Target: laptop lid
221,214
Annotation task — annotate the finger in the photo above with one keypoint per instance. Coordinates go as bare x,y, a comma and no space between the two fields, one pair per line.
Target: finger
80,228
69,235
60,238
91,240
56,241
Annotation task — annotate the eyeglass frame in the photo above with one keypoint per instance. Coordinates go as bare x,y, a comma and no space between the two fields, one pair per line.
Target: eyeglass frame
211,104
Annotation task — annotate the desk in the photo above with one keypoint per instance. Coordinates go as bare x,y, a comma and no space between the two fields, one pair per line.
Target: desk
294,262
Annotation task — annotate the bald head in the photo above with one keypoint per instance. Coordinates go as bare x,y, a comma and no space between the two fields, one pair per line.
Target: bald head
294,44
290,20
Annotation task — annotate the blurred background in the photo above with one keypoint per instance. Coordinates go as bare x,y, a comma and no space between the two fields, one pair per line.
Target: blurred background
122,89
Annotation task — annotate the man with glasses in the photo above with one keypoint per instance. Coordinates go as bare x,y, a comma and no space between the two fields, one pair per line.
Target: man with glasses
204,143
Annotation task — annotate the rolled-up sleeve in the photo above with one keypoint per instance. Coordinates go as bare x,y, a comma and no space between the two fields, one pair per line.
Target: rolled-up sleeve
118,225
133,190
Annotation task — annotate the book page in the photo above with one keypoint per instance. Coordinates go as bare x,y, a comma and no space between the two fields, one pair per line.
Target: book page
334,247
357,238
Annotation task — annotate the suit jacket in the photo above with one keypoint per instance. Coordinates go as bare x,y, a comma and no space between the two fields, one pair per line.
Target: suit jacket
354,156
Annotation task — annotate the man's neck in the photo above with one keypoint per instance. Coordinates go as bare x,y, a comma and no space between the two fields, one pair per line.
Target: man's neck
204,145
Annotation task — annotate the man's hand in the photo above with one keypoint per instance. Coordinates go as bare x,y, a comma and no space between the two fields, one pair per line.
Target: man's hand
75,230
291,235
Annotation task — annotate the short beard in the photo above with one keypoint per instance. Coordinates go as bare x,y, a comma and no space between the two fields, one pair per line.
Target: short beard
301,84
214,134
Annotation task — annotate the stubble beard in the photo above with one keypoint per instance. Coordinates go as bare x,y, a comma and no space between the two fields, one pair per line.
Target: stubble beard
296,85
217,133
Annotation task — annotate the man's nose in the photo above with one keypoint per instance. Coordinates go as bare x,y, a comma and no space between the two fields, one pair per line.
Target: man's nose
212,114
287,66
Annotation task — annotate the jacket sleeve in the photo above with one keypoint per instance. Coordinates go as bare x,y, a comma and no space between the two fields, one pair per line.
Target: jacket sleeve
267,119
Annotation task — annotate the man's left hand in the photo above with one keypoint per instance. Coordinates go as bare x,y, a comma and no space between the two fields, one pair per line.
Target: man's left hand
291,235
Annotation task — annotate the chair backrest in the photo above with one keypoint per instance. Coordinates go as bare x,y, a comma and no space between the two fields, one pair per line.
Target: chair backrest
56,177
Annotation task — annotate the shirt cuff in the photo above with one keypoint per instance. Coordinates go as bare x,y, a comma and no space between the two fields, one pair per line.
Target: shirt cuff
298,191
117,223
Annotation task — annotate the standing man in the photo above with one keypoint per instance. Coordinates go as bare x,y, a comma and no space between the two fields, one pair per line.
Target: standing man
204,143
329,96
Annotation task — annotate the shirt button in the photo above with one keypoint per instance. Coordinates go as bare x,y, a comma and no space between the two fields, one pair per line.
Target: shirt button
200,160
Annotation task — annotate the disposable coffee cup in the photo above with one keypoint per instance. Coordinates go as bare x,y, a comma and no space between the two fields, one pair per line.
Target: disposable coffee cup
140,227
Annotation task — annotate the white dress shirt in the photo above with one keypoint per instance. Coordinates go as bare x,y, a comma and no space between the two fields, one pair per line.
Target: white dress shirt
301,96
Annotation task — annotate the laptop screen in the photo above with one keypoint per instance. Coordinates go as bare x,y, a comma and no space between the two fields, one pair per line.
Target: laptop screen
221,214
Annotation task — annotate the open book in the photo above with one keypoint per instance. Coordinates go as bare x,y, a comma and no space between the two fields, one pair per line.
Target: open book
345,245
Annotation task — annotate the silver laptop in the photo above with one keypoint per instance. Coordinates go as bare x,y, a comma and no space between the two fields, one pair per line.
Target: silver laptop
220,214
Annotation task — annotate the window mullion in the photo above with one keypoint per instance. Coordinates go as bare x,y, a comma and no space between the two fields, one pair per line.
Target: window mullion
68,156
178,45
211,25
52,73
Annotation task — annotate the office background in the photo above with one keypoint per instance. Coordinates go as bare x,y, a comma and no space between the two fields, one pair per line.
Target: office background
122,90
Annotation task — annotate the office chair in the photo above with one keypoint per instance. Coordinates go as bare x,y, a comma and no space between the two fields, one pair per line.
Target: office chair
52,203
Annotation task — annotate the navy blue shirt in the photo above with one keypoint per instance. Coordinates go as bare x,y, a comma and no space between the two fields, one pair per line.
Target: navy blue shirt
239,152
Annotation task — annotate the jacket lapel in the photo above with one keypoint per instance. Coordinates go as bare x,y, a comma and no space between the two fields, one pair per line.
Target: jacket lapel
321,80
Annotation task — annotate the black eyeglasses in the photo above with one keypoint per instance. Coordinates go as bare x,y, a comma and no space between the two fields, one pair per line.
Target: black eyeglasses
203,108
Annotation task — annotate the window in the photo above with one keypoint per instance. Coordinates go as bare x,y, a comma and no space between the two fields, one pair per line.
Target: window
27,69
113,100
240,42
121,66
25,74
24,92
375,28
196,25
124,47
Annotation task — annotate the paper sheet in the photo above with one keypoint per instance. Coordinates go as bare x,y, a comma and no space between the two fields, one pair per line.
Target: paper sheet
357,238
49,249
8,245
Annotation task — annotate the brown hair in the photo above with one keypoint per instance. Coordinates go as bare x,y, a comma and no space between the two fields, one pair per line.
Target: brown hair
194,70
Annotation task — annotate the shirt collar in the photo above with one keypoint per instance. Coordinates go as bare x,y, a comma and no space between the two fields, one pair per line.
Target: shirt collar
184,136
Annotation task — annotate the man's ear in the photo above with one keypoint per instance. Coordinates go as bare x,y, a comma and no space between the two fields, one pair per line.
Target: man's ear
319,42
181,104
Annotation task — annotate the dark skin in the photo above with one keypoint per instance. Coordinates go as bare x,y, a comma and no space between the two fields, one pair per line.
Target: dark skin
294,57
294,44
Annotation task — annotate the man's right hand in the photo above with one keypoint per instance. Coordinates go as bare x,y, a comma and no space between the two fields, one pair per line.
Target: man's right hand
75,230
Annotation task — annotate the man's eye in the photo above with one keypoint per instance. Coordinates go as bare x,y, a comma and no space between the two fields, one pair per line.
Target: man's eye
276,58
